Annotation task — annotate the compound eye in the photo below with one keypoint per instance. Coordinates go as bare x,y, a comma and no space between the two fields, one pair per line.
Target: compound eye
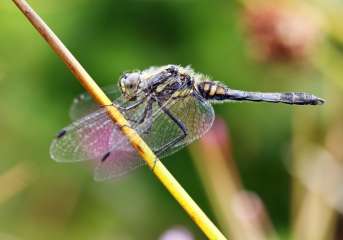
131,81
122,83
124,76
172,69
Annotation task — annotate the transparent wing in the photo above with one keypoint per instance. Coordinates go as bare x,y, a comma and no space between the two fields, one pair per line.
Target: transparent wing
83,104
95,136
85,139
92,136
197,116
120,161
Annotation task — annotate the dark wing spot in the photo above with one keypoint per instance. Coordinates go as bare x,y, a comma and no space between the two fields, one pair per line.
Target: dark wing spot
61,133
103,159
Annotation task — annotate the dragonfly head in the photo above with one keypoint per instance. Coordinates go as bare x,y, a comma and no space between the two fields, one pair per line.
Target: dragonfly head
129,83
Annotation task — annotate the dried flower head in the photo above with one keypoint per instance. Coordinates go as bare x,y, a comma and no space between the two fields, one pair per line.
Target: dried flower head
282,33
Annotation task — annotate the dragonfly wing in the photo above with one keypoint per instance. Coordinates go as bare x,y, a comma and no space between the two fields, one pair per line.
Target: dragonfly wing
118,163
121,158
197,116
96,137
85,139
92,136
84,104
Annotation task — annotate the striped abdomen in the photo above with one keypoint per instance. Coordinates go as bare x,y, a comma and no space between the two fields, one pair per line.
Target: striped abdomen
217,92
212,90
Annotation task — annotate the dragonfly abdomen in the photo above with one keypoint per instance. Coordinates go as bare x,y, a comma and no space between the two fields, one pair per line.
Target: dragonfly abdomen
217,92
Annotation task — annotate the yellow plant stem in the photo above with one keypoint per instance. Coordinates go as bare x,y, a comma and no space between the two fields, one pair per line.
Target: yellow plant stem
198,216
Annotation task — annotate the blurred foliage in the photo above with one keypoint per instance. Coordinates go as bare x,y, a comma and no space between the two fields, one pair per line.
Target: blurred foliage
61,201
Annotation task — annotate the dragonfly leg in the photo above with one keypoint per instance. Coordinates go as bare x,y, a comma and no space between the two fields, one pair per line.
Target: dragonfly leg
148,117
133,106
176,140
146,114
130,107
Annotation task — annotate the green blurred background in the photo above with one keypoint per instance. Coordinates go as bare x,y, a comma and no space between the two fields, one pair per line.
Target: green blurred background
40,199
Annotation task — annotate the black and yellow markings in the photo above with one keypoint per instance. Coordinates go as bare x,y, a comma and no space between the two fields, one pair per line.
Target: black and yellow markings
181,93
161,87
211,89
207,87
220,90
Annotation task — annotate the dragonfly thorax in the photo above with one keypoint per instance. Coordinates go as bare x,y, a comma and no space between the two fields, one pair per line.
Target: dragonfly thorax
160,81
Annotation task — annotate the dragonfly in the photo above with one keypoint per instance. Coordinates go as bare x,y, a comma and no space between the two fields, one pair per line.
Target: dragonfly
168,106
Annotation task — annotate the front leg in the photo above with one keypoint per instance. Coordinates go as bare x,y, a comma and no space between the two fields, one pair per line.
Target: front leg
130,107
124,109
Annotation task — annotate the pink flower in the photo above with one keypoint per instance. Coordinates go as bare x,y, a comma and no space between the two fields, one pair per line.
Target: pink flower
177,233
